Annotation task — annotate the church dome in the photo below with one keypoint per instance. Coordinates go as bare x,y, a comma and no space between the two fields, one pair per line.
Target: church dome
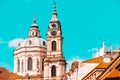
33,41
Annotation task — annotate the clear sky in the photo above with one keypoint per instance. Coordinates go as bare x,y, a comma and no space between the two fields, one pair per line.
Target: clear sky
85,25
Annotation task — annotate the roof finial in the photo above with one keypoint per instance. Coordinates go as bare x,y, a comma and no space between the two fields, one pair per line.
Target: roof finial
34,20
54,5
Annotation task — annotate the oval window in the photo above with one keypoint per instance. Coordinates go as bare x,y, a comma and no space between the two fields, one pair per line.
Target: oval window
44,43
30,42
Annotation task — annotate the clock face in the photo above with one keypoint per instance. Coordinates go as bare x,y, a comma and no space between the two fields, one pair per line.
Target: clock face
53,33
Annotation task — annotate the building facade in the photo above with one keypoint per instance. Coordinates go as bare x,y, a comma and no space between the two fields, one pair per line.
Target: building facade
105,67
36,56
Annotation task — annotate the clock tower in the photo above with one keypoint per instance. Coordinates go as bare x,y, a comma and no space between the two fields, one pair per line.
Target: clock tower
54,62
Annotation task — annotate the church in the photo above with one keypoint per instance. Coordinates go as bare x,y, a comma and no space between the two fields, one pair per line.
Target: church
39,59
36,58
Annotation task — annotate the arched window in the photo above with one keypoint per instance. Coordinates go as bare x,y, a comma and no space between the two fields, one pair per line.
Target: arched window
18,65
53,71
37,64
43,64
22,65
33,33
29,63
53,45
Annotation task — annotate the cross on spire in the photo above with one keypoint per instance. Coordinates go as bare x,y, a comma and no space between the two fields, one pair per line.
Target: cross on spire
34,20
54,5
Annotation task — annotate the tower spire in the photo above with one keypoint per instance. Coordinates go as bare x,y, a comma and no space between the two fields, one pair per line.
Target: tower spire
54,15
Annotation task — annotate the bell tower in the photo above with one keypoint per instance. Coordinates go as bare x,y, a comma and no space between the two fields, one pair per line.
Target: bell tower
54,62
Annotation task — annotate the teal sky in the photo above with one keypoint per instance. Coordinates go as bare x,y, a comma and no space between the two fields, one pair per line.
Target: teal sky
85,25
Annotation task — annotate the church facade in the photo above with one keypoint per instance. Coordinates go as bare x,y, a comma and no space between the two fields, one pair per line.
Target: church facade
38,57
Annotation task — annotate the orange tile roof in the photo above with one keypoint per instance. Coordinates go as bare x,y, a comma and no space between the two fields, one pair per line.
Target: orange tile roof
4,74
14,76
103,65
113,73
98,60
110,70
94,60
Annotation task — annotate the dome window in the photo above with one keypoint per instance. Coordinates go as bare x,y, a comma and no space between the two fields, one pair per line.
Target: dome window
44,43
30,42
18,44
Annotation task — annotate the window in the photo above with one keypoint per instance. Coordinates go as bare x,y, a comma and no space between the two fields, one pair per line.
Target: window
53,25
30,42
22,65
37,64
44,43
36,34
18,65
18,44
43,64
33,33
54,46
53,71
29,63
